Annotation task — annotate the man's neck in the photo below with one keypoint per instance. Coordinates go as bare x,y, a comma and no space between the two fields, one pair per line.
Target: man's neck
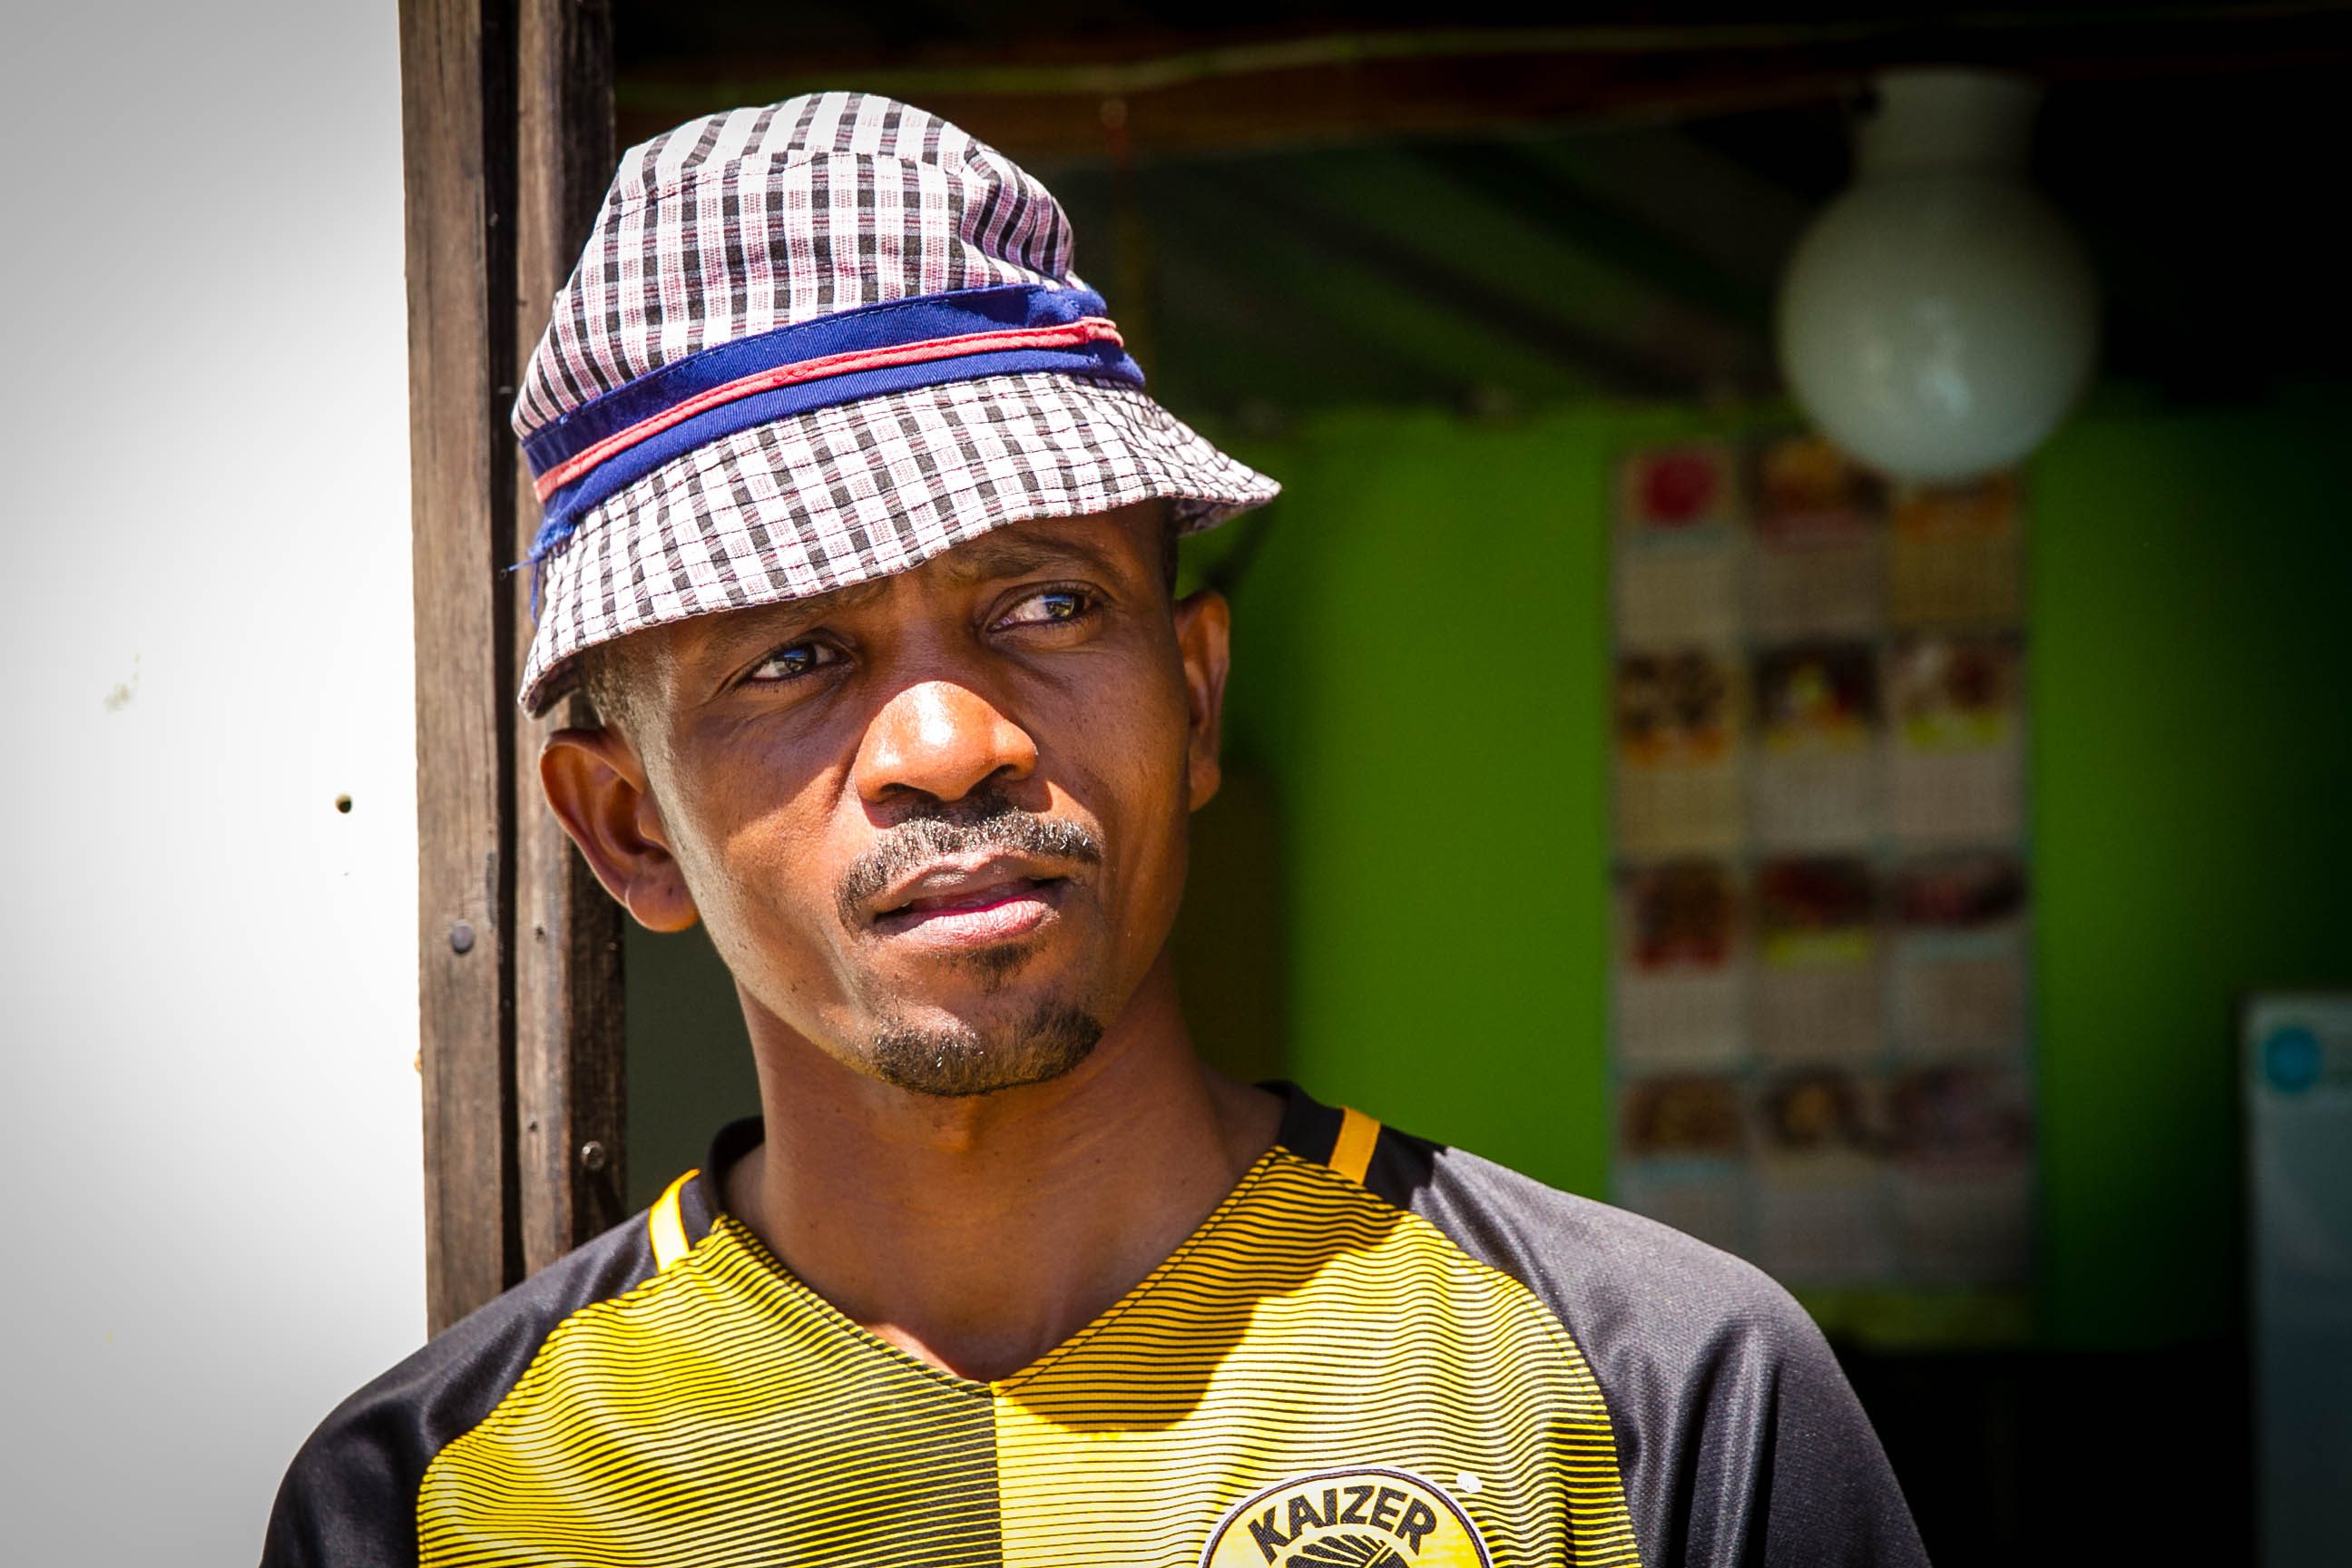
978,1233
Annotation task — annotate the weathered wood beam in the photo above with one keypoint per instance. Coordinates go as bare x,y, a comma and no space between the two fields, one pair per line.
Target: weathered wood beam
569,1091
456,146
1044,97
507,143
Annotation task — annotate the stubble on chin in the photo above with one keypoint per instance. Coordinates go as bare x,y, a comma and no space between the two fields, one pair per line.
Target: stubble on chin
957,1059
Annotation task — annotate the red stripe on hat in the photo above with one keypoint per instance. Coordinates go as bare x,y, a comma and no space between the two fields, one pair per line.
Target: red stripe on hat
1075,335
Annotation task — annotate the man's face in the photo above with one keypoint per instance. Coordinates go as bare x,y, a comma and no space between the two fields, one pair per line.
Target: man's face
935,823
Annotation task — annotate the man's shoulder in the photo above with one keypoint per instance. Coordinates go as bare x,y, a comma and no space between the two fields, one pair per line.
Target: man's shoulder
1639,1298
1738,1437
349,1495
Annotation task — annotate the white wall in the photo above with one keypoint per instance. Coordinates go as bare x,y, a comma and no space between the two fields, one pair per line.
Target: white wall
208,1112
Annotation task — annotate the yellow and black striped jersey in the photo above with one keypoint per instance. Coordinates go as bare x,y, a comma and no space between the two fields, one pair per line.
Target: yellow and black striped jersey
1375,1351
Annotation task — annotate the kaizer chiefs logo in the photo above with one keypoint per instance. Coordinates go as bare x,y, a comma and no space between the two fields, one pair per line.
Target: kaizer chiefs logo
1363,1517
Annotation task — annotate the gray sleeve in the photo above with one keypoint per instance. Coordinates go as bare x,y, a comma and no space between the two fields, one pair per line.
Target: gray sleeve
1738,1438
349,1500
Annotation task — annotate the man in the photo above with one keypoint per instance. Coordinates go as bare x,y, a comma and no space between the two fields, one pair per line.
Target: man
860,533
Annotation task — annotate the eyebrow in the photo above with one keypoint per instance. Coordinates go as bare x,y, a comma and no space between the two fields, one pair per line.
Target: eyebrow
788,618
998,556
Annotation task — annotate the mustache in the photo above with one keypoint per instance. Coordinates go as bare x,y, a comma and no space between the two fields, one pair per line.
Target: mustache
978,824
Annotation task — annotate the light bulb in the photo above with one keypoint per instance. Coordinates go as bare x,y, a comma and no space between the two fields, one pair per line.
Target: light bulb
1939,320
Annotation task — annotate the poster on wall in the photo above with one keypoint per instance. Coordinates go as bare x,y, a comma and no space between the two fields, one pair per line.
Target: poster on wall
1819,1016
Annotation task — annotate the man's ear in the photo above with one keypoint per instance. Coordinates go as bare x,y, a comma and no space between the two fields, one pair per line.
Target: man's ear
1203,630
597,786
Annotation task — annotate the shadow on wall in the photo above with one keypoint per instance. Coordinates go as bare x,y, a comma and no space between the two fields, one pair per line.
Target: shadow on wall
690,1058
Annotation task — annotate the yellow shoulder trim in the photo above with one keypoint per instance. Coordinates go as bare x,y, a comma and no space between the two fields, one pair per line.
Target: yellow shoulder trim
1351,1152
668,1225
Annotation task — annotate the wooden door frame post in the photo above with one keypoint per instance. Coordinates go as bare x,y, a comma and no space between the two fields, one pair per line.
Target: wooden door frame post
570,1080
506,110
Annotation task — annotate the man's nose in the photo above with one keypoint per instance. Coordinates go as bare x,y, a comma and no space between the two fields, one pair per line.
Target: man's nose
942,740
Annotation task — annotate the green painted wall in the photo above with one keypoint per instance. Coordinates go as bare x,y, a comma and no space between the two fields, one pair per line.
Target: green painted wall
1421,672
2191,687
1421,667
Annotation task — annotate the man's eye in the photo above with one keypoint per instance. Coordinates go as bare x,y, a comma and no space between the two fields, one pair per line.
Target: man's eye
1055,604
791,663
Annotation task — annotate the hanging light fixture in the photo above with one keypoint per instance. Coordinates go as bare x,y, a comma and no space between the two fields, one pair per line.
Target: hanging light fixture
1939,320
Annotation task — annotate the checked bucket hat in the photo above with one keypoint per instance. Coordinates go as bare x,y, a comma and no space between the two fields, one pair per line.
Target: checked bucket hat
814,343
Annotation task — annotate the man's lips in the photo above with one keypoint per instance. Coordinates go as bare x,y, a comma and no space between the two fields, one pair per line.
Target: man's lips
970,901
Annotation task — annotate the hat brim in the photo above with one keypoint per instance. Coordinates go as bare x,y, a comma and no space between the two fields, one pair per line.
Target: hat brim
843,495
